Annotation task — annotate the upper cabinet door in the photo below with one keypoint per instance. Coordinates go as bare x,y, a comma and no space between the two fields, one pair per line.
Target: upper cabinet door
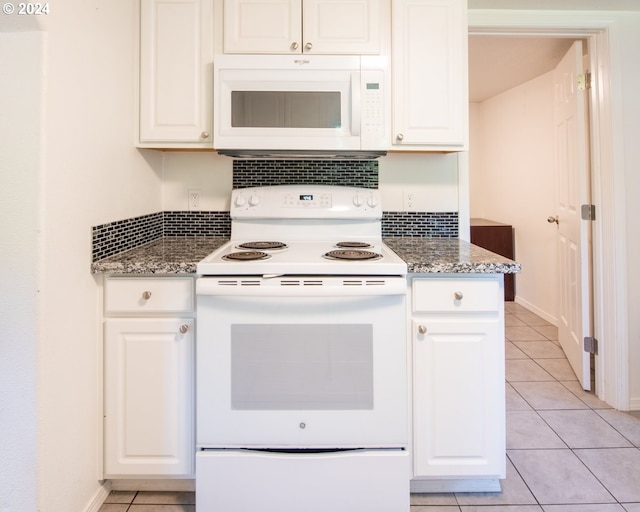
429,56
344,26
176,51
305,26
262,26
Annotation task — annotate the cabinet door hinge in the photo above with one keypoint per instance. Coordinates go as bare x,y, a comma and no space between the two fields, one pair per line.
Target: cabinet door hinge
591,345
584,81
588,211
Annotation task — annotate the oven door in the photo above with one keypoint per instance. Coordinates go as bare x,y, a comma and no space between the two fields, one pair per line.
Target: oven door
301,362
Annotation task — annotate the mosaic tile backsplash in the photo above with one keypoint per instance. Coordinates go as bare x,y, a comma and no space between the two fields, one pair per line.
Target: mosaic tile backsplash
420,224
349,173
116,237
119,236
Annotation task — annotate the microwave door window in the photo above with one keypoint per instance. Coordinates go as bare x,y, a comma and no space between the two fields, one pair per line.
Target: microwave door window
286,109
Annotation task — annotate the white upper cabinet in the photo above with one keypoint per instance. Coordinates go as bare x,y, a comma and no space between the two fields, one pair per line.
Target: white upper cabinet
429,58
305,26
175,84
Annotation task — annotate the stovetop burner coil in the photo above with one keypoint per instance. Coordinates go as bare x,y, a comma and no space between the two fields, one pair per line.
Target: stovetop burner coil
354,245
246,256
352,255
263,244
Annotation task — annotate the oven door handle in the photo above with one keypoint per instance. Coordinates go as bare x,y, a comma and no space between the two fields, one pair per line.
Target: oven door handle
301,287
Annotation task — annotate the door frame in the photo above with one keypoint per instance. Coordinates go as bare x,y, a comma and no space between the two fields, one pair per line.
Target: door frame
610,307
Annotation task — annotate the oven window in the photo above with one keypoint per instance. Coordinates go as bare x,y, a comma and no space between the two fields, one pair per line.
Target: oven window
301,367
285,109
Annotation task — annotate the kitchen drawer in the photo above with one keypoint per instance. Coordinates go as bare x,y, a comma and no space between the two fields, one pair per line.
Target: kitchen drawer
455,295
149,295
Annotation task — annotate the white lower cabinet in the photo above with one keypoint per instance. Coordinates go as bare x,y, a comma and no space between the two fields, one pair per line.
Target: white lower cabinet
458,383
148,377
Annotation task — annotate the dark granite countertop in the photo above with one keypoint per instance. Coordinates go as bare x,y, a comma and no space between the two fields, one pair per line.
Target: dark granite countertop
449,255
165,255
180,255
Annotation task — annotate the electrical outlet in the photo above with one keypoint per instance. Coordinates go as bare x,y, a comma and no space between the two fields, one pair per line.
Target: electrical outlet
194,199
409,200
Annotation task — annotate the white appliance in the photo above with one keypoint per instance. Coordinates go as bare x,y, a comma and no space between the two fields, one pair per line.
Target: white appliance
301,358
279,105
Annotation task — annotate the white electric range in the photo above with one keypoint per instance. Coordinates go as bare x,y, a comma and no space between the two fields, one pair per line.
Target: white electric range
301,357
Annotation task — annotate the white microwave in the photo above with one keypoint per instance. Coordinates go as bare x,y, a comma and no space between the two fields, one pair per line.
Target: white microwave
279,105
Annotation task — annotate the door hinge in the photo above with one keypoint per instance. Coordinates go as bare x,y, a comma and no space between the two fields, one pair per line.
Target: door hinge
591,345
584,81
588,211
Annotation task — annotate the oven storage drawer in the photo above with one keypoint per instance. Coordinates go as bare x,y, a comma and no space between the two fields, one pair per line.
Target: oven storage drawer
371,480
455,295
148,295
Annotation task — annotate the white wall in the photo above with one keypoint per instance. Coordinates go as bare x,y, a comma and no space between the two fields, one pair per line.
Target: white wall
19,267
625,43
513,181
71,164
207,172
432,179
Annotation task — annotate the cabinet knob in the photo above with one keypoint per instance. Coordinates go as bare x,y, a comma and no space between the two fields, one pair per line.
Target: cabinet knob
308,46
399,137
294,46
184,328
204,135
146,295
422,329
458,295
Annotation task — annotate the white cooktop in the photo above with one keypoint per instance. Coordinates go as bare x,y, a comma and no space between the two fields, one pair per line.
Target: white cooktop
310,220
302,258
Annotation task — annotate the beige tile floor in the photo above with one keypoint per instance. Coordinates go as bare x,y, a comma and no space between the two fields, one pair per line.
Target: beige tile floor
566,450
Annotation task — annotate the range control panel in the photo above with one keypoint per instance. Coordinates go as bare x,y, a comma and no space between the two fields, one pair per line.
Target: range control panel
306,202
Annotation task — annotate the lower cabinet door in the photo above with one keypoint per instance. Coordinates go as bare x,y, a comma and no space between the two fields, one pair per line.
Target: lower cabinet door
458,398
148,397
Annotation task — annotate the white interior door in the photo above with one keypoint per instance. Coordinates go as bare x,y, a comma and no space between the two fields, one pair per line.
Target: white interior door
574,234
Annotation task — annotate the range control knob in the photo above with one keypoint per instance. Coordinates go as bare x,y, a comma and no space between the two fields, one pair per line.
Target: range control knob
372,201
240,201
357,201
254,200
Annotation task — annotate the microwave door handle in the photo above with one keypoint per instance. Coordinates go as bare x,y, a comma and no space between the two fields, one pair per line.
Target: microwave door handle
356,102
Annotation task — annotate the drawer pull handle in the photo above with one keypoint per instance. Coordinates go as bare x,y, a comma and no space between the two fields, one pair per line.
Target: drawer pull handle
146,295
184,328
458,295
422,329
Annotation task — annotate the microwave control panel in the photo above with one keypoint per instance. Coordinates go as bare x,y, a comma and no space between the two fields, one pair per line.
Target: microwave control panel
373,115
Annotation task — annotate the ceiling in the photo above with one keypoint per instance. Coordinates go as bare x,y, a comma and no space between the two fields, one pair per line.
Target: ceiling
498,63
564,5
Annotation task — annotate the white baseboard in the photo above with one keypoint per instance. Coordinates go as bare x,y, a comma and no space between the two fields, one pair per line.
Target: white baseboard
153,484
98,498
534,309
455,485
